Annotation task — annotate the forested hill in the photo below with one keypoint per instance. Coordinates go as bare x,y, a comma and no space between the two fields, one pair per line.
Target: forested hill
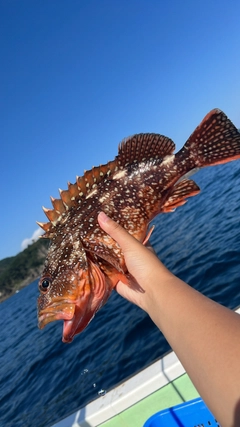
22,269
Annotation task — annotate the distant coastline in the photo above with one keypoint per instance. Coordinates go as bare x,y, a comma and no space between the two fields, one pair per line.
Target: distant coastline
19,271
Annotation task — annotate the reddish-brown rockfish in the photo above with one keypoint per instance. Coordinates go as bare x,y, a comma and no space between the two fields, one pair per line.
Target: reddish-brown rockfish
84,264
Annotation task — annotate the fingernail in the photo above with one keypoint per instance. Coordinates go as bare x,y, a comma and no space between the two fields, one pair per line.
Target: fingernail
103,217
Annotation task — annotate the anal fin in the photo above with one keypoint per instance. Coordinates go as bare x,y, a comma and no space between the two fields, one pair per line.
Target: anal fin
148,235
180,192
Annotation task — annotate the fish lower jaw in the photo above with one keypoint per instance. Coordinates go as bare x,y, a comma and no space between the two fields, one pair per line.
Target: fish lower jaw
67,335
67,313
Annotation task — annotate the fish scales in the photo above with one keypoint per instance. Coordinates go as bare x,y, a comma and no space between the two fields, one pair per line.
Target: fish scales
146,178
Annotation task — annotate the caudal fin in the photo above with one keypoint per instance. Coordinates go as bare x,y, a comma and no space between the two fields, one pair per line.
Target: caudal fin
216,140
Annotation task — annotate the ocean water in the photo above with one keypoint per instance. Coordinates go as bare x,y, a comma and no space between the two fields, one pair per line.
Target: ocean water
43,380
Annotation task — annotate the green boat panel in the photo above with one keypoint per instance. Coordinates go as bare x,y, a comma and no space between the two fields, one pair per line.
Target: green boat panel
179,391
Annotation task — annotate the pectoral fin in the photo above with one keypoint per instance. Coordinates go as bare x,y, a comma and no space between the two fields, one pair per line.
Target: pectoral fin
179,194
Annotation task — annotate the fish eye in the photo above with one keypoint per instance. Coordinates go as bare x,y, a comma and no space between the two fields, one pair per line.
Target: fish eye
44,284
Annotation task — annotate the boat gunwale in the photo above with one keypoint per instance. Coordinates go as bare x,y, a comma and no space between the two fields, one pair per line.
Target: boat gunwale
128,392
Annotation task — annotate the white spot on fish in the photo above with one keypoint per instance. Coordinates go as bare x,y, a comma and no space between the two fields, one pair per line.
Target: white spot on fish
101,200
168,159
120,174
91,193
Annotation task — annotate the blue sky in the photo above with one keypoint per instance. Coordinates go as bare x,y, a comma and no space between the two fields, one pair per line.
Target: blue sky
78,76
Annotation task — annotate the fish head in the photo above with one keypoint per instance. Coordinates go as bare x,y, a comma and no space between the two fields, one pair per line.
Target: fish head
72,288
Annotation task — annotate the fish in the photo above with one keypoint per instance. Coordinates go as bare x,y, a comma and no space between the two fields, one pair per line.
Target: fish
146,178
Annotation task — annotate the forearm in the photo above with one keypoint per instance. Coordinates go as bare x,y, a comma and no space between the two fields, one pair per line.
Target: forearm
205,337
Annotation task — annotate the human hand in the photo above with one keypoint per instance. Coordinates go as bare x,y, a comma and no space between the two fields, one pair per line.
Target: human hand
141,263
178,311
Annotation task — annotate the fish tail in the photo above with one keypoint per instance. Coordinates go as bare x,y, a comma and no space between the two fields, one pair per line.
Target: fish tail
215,141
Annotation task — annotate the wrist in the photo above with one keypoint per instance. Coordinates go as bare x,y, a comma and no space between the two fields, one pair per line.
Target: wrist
161,294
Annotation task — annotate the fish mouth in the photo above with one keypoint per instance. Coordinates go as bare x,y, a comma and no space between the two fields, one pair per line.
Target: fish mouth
70,326
77,312
57,311
75,318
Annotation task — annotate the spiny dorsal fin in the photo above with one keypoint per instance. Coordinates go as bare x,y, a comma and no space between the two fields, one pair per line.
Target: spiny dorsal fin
93,177
69,198
48,228
134,149
142,147
58,205
182,190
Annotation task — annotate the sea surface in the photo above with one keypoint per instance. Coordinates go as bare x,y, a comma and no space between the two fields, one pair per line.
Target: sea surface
43,380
